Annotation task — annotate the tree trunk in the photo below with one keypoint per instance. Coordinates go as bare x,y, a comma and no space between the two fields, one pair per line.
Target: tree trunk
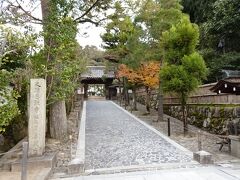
58,120
160,98
184,114
120,95
125,91
134,99
148,94
160,103
57,110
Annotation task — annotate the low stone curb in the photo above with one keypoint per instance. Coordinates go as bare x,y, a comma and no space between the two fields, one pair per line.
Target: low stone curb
76,166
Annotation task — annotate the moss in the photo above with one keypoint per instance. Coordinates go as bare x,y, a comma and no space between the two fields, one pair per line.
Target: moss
221,112
216,125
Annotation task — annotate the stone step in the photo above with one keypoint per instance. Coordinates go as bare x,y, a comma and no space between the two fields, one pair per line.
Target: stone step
34,163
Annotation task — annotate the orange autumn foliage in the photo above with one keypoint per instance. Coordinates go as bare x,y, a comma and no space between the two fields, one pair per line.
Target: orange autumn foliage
147,74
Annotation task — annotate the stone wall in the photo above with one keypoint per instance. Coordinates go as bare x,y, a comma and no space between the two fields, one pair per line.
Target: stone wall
208,117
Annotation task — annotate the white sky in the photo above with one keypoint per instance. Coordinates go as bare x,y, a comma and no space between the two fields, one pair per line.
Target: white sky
92,36
88,34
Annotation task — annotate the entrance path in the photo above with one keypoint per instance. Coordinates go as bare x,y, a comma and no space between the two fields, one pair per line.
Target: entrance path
115,138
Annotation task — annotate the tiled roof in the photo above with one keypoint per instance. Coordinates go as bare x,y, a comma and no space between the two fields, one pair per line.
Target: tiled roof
97,72
228,85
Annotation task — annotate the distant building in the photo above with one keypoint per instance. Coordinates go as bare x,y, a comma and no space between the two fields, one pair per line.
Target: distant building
230,83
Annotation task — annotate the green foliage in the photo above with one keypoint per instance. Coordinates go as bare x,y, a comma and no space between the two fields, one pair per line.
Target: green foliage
223,24
180,40
155,17
217,62
15,48
195,65
219,33
8,100
199,10
61,60
15,51
8,107
118,31
184,67
159,16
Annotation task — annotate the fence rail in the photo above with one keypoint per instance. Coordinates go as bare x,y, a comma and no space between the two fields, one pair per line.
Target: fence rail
208,98
24,159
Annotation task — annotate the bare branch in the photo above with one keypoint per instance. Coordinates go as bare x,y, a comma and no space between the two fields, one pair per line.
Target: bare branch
27,13
88,20
91,21
8,52
86,12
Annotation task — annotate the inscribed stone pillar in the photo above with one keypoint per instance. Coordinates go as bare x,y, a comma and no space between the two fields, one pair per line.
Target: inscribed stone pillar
37,117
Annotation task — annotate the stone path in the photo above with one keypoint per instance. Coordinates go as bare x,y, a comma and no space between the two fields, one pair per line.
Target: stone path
204,173
114,138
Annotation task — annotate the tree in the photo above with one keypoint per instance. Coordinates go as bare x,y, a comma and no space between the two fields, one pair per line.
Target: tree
93,55
158,16
198,10
132,77
145,75
118,31
59,20
223,24
56,15
184,68
15,51
149,76
218,21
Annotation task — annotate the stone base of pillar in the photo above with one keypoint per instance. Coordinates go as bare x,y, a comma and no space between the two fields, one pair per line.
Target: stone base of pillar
76,166
235,145
203,157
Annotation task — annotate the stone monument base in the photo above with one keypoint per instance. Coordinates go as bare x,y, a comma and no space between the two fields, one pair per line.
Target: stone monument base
76,166
203,157
48,160
235,145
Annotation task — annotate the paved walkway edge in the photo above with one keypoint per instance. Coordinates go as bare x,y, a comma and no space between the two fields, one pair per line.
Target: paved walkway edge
157,132
77,164
135,168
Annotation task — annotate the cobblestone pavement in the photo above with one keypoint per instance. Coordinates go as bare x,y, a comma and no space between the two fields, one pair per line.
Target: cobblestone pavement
114,138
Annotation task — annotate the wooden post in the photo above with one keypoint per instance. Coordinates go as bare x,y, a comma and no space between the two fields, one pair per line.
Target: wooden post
24,161
131,105
199,141
169,128
70,138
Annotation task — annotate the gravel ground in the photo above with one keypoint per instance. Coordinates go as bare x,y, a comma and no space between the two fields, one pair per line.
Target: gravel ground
190,140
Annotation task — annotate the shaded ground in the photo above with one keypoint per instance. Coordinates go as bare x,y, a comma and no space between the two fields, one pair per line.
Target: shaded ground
114,138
